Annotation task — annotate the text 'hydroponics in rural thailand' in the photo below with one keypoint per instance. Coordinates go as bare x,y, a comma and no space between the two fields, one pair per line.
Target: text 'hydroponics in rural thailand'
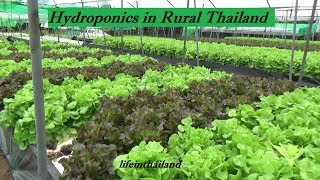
161,17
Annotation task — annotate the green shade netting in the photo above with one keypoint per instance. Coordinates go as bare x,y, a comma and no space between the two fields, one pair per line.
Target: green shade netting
18,13
301,28
11,22
191,31
19,8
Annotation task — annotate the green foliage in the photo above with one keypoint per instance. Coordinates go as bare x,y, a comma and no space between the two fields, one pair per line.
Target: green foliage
12,66
243,147
143,153
147,117
97,157
67,106
9,66
20,51
263,42
266,58
74,101
179,77
271,42
15,81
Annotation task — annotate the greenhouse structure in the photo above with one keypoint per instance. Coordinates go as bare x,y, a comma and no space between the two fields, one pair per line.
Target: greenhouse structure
159,103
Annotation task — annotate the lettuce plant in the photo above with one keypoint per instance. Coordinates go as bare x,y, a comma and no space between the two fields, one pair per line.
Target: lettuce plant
267,58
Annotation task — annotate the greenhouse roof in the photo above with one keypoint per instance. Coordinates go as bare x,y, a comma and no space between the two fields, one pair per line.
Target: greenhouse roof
305,6
281,5
17,10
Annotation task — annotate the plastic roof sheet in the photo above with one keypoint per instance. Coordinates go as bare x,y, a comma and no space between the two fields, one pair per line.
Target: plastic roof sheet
219,4
17,8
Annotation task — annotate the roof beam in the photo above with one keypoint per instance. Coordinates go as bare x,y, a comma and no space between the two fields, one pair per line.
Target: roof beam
82,1
170,3
268,3
131,5
212,3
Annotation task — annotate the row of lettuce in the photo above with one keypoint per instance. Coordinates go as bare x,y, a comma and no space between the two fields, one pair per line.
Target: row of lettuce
130,65
266,58
19,51
126,109
122,123
265,42
10,66
72,103
114,103
278,138
23,46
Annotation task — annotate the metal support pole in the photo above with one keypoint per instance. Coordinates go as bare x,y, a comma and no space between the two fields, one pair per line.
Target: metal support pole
84,31
164,32
2,27
154,32
141,42
20,28
212,27
33,18
307,41
157,31
104,38
282,20
58,33
184,51
121,30
234,35
9,25
140,33
211,32
293,45
171,29
264,35
55,4
286,30
197,37
172,32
